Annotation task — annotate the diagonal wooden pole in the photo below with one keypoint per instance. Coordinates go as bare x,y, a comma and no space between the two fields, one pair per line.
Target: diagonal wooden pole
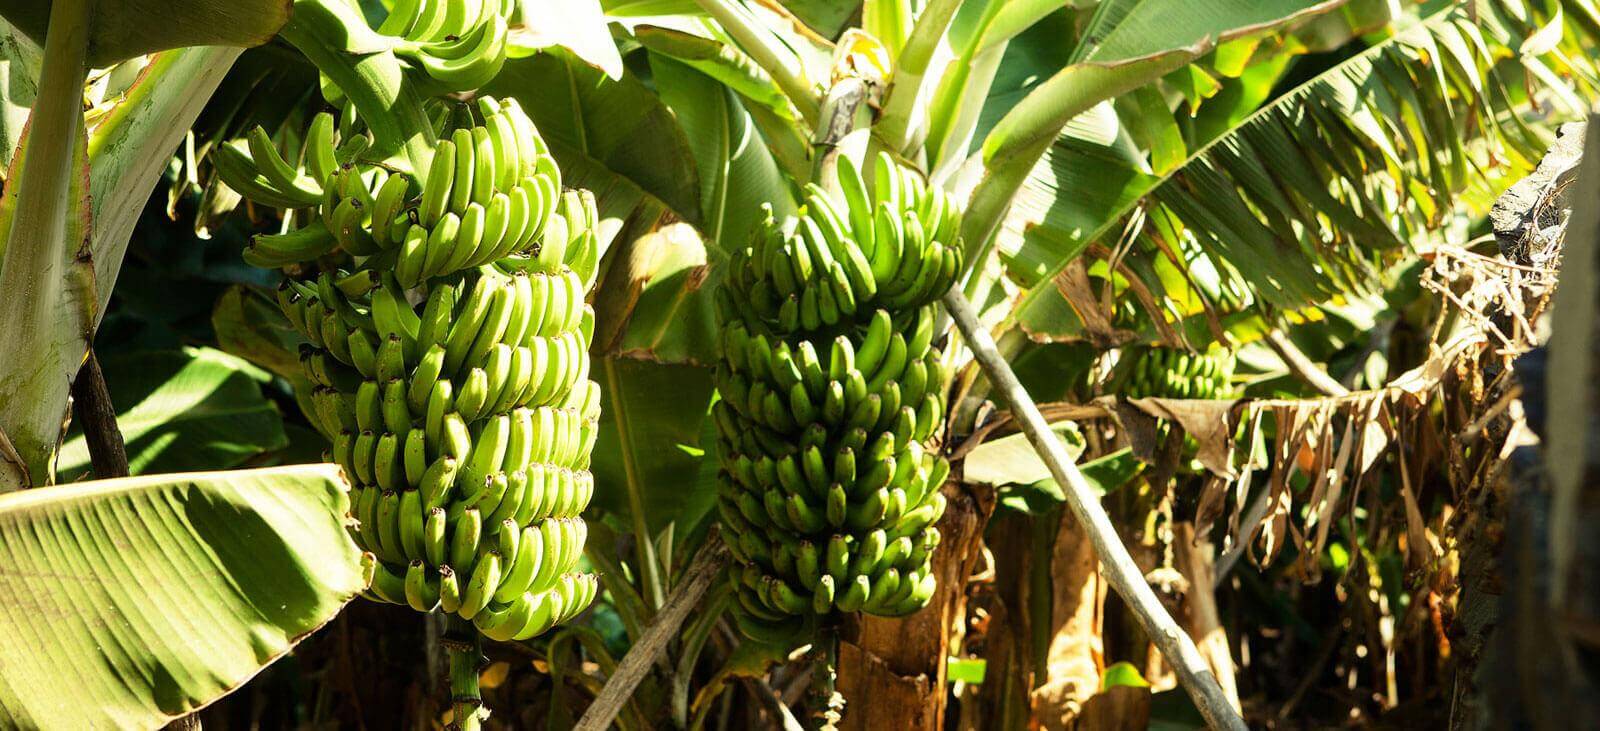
1126,578
685,597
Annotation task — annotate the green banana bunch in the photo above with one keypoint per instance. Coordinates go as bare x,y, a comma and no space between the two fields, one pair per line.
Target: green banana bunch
447,339
1174,373
459,45
831,390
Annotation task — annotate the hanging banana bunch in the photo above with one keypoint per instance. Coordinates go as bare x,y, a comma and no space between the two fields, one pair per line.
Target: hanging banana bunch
459,44
447,337
831,392
1175,373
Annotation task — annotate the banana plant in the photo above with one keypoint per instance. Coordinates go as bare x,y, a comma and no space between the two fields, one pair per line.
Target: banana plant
157,593
1066,148
73,193
1070,132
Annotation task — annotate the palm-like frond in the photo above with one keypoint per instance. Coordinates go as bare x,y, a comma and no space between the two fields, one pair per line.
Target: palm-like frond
1312,195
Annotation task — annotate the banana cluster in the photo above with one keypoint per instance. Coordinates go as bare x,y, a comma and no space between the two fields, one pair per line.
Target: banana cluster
459,44
893,248
1176,373
489,192
831,390
447,338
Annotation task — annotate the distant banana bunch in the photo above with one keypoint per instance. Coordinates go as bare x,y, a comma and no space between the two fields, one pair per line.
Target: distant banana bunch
447,340
459,44
1174,373
831,390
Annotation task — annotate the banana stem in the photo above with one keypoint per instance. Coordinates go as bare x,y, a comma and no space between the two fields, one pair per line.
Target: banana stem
465,648
827,706
780,62
1125,576
904,97
38,263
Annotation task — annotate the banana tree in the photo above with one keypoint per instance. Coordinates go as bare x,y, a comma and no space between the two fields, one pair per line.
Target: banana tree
1157,125
903,55
73,193
1144,133
151,591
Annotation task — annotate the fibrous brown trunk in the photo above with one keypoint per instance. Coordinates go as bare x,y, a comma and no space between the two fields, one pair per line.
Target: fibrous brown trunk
1195,558
1542,668
1076,654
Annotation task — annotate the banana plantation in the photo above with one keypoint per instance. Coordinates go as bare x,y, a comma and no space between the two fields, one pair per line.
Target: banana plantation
799,364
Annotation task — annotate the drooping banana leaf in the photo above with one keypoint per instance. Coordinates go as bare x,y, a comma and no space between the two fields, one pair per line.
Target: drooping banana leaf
660,286
133,601
1127,44
1312,195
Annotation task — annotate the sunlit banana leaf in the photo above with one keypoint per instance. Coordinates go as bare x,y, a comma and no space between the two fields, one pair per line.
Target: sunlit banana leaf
576,25
661,284
184,410
827,17
122,29
593,120
1122,29
130,602
1127,44
1364,157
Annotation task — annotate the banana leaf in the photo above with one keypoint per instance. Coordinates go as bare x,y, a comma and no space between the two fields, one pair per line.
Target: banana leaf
130,602
1367,156
122,29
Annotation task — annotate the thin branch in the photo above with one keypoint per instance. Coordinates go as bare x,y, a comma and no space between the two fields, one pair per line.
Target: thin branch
91,407
685,596
1178,648
1302,366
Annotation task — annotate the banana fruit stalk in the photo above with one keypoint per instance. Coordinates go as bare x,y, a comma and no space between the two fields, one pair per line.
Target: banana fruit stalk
447,338
831,394
1174,373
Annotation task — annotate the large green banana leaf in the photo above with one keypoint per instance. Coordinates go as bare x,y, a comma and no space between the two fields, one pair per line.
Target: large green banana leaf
122,29
1126,44
129,602
605,133
182,410
1366,156
768,107
676,269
